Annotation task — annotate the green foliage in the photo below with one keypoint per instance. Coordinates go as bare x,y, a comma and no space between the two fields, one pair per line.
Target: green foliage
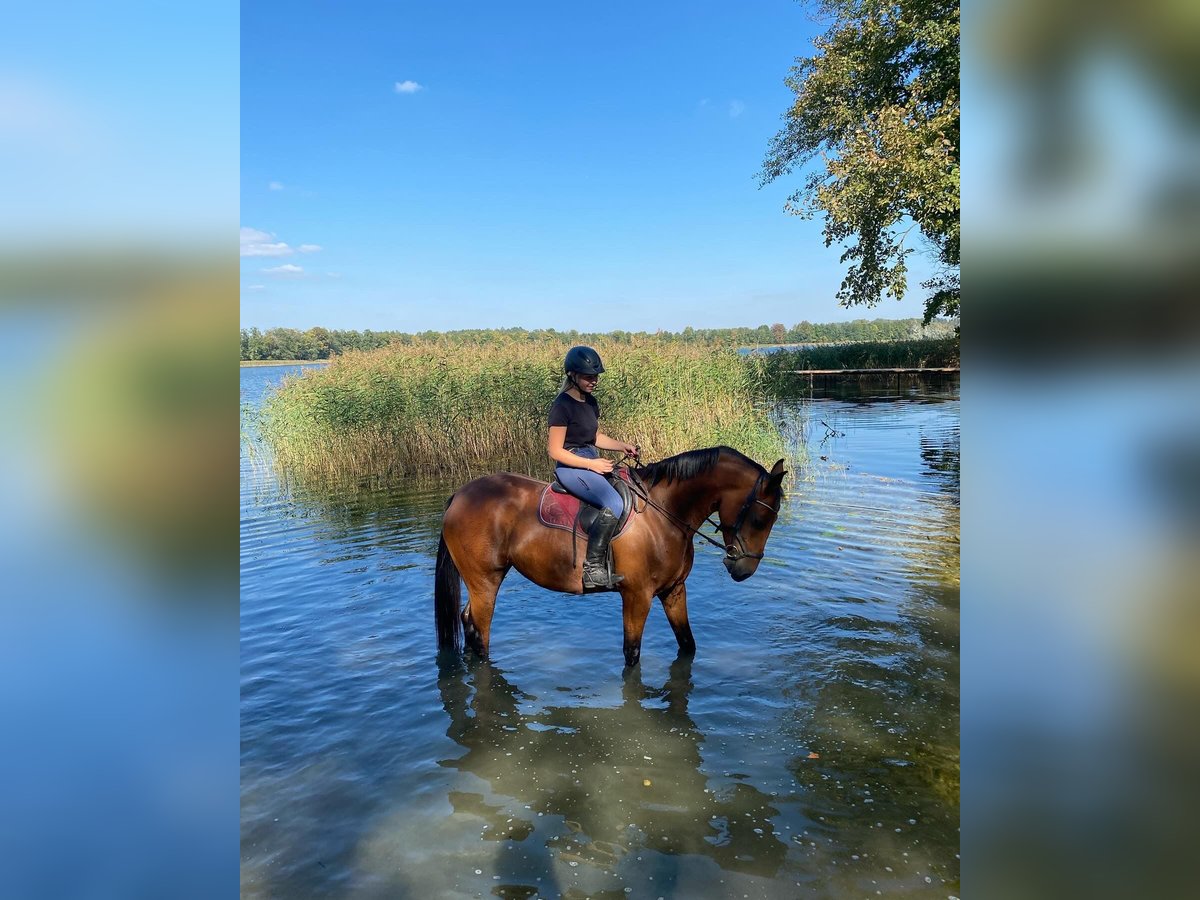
929,353
435,407
322,343
879,104
316,343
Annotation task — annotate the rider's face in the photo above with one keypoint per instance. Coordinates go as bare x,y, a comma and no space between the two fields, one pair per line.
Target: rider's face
587,382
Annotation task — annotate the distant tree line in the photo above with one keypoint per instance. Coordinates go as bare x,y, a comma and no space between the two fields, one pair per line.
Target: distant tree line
323,343
316,343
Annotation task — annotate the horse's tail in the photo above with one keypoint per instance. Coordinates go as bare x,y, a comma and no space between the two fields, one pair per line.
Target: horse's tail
447,598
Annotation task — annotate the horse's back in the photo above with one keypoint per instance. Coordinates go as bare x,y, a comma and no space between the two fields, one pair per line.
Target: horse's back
491,524
499,491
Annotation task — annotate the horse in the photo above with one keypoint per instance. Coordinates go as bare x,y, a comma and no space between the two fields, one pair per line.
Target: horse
491,525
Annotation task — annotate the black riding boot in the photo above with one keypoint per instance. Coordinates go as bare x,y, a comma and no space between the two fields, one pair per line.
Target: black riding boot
596,573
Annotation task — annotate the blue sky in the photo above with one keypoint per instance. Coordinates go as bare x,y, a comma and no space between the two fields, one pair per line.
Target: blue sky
440,166
118,125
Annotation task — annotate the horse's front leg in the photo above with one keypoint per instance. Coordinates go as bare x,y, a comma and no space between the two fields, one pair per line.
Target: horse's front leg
635,607
674,601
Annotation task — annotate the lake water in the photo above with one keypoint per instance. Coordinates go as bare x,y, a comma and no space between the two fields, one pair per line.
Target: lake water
810,749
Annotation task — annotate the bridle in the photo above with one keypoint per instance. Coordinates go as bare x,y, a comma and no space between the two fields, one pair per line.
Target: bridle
736,549
730,555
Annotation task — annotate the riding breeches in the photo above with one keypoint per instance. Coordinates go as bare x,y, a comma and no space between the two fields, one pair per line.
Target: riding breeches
590,487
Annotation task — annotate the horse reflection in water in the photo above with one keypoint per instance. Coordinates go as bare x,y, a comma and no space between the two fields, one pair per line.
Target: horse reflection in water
625,780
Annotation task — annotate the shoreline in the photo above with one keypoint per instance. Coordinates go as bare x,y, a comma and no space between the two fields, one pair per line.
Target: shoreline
251,363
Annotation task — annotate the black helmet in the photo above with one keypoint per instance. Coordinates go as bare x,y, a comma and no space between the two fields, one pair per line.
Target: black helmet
583,360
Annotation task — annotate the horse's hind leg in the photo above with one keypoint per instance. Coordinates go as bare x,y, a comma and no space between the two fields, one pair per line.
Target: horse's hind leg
674,604
481,603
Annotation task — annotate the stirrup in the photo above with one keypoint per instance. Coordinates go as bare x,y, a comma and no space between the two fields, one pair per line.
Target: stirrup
611,579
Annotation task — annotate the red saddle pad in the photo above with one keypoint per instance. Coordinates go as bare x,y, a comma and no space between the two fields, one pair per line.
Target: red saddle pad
559,511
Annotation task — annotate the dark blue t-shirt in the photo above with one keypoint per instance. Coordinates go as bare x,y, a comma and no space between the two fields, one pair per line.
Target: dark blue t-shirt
581,418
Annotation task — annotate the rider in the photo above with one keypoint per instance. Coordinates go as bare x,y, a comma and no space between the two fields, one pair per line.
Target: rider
572,444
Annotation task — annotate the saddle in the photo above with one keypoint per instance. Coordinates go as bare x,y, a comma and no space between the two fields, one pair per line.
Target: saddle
558,508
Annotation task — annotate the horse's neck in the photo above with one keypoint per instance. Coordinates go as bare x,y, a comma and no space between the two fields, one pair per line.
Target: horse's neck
692,500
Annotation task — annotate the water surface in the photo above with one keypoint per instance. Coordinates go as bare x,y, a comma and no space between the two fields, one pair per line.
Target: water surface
810,748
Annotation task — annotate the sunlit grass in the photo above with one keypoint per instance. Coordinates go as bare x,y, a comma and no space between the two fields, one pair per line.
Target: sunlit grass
435,410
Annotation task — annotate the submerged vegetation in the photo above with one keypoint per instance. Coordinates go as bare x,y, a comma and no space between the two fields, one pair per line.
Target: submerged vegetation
433,408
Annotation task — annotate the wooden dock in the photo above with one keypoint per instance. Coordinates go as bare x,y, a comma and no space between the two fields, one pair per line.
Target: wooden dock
887,374
916,371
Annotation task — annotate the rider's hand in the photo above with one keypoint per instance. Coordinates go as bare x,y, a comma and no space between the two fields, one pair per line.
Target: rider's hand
630,450
602,465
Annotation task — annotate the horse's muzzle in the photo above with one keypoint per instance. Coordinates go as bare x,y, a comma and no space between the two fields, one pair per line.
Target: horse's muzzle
737,571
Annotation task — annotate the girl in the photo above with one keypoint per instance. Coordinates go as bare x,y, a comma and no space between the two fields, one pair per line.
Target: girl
573,442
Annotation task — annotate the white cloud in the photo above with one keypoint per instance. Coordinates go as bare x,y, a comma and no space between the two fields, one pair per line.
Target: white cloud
736,108
285,269
276,185
408,87
256,287
275,249
253,235
262,243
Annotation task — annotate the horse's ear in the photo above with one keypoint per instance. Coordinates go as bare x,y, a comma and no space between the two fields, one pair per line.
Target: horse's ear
777,473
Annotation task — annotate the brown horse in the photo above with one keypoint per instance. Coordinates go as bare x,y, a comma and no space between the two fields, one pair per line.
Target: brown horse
491,525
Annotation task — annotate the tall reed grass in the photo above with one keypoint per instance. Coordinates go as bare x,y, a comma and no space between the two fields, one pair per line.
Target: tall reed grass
778,367
436,410
920,353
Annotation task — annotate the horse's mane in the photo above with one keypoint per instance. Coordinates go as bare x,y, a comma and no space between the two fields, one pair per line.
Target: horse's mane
687,465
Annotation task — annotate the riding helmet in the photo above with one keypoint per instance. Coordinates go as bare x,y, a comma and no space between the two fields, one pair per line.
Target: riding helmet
583,360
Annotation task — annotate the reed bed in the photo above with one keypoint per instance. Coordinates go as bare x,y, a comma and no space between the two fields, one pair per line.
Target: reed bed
919,353
434,410
779,366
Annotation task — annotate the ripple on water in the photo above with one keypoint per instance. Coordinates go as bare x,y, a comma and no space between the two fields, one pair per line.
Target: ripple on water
812,742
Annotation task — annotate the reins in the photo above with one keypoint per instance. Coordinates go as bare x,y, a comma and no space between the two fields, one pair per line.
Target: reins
731,552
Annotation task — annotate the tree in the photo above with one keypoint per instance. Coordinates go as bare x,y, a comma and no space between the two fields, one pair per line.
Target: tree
321,339
255,346
879,104
804,332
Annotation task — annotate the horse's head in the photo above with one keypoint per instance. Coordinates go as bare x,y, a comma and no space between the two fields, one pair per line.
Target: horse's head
746,522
